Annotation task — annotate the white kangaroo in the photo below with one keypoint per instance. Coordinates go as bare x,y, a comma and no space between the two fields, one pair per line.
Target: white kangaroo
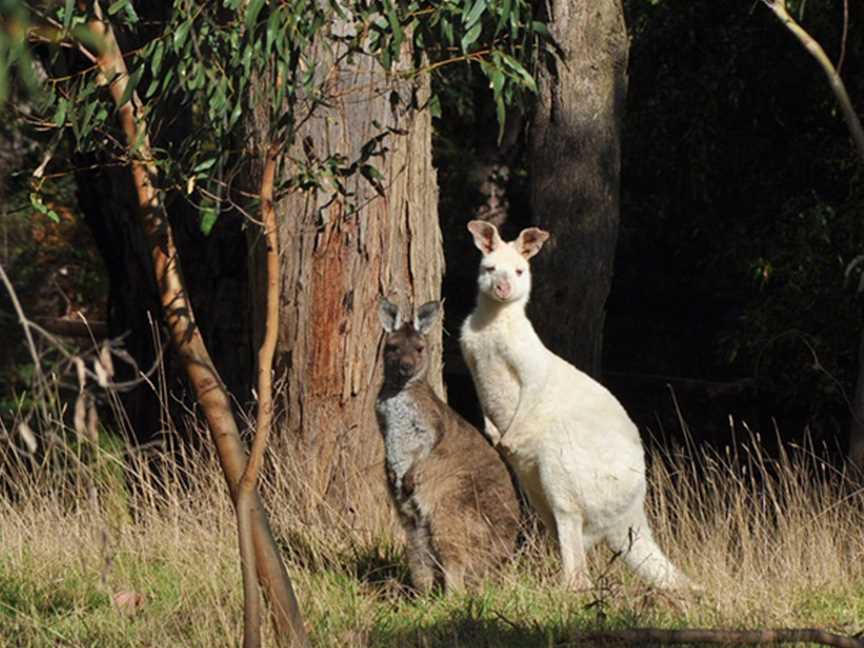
577,454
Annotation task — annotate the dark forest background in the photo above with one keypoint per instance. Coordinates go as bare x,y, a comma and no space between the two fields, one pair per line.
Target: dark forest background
741,212
734,291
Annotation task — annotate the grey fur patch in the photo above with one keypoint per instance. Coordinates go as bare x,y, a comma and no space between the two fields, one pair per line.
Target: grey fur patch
407,439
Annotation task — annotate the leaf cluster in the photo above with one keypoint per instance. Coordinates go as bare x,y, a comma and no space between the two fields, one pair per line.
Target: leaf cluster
210,64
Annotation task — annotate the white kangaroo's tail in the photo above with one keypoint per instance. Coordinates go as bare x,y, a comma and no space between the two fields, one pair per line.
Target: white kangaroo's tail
639,550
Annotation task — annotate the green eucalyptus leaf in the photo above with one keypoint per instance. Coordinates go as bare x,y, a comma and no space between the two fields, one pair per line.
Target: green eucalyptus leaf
116,7
152,87
447,30
131,16
209,216
180,35
85,127
470,36
42,208
503,15
156,61
68,10
273,30
435,106
519,72
235,114
59,118
514,19
393,19
539,27
496,77
203,166
386,58
252,11
471,18
167,80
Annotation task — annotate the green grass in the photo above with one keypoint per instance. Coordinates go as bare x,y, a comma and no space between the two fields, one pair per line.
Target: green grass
774,544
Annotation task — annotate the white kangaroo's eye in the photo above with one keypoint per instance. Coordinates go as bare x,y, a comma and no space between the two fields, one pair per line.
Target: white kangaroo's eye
519,272
489,268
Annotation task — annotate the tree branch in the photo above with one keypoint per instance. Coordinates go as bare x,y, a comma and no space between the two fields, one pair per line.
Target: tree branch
209,389
837,85
248,482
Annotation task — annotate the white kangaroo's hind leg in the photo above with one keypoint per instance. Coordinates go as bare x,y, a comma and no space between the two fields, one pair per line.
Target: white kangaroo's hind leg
634,540
571,544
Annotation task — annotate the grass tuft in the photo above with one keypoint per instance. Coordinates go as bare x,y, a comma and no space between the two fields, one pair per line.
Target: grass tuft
775,542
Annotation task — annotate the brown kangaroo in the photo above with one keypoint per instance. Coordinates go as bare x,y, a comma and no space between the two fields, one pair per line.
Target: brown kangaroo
453,493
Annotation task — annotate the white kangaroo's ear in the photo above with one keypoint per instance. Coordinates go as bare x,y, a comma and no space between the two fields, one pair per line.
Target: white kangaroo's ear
426,316
485,235
530,241
388,312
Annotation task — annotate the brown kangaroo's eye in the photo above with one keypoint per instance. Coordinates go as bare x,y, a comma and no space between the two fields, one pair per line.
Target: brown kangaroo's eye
519,272
420,348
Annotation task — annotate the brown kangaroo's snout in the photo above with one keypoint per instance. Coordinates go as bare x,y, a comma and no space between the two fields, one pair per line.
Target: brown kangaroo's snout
405,357
405,354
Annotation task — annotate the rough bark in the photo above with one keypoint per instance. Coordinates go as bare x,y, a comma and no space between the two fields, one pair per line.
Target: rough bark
337,261
575,157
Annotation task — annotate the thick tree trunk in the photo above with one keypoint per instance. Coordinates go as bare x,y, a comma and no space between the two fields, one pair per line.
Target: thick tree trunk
575,163
340,252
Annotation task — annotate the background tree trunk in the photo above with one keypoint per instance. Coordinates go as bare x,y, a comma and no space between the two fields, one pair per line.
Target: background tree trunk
575,144
340,252
216,280
214,268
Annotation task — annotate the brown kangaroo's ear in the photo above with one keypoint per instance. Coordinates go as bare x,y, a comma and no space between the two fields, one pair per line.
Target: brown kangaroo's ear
426,316
388,312
485,235
530,241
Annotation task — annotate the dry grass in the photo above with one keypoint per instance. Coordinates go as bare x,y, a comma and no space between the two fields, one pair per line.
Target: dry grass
775,543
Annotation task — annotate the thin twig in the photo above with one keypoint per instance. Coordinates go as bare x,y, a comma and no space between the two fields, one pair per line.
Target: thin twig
31,345
844,36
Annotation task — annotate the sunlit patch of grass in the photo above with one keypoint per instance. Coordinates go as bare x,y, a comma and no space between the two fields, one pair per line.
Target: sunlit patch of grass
775,543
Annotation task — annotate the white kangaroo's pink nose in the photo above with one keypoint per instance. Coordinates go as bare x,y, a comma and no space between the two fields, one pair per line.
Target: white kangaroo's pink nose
502,288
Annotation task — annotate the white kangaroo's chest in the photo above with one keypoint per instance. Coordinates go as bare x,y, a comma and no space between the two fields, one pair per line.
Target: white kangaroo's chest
494,375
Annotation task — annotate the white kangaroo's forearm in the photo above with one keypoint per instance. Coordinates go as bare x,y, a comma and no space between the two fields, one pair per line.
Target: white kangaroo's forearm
533,378
491,431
